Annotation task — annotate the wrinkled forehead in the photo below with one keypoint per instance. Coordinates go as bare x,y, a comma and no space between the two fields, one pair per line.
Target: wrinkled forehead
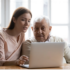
40,23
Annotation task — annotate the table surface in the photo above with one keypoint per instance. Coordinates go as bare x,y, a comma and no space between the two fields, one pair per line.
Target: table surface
64,66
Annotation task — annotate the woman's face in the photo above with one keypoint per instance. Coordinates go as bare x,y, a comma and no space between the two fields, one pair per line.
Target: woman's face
22,22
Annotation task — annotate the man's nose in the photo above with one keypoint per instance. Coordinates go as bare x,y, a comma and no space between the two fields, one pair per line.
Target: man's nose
39,31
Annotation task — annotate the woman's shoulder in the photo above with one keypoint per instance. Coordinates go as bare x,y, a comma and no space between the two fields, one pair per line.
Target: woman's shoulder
2,34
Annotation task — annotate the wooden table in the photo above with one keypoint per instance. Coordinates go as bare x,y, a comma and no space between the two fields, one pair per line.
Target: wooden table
63,67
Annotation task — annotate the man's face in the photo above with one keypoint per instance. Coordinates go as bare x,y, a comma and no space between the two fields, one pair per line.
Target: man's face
41,30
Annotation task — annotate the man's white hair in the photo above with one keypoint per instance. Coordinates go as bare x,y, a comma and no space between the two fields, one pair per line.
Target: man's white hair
40,18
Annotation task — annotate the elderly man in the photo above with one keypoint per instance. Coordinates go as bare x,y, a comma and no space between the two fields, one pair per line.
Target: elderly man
41,30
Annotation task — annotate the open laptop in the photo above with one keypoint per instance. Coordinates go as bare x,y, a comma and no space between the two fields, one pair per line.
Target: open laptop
45,54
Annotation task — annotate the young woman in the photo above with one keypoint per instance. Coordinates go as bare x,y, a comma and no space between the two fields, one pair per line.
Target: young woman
12,37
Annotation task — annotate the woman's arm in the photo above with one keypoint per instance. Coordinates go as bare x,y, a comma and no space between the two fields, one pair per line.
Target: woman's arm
9,63
2,51
3,61
19,61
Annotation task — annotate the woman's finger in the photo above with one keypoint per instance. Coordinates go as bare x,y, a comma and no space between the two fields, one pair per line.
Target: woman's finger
22,62
23,57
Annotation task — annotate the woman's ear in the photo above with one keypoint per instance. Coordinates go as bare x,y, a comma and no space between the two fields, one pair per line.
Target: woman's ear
32,28
14,20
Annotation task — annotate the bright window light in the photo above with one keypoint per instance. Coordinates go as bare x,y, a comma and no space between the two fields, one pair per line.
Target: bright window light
59,11
0,11
39,7
17,3
60,31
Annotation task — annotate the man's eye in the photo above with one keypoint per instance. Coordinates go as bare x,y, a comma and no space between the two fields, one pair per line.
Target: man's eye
43,28
36,28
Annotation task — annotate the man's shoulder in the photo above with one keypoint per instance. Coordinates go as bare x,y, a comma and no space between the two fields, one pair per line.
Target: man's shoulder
52,39
32,39
56,39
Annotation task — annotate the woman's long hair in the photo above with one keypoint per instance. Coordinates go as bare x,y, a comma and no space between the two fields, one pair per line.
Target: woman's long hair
19,11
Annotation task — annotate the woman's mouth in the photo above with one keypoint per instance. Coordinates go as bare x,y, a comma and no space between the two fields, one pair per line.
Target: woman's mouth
25,28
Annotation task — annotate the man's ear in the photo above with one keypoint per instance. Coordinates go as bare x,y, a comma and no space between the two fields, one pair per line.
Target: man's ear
50,28
32,28
14,20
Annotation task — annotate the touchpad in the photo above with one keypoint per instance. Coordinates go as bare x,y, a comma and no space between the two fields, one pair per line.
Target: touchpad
26,65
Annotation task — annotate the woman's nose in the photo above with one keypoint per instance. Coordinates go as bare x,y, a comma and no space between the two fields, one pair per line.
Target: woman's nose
26,23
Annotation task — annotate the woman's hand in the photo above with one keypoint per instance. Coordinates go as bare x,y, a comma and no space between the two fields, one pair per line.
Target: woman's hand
22,60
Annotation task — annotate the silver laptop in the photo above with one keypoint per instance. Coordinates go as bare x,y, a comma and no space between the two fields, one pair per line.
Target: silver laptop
45,55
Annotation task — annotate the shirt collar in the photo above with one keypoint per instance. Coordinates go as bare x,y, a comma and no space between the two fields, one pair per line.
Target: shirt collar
48,39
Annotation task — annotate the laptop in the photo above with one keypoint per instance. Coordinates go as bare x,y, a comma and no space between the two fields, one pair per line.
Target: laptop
45,54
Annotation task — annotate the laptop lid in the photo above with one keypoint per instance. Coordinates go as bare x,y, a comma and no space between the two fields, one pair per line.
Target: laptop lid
46,54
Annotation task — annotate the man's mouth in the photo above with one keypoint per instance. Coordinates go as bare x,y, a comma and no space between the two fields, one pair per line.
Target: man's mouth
40,36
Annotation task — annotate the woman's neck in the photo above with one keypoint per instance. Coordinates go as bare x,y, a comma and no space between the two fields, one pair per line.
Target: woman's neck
13,32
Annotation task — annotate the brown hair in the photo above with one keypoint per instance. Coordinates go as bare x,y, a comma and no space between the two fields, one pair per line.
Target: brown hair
19,11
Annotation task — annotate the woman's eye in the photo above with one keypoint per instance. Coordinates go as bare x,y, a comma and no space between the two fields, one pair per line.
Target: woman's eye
23,19
29,21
